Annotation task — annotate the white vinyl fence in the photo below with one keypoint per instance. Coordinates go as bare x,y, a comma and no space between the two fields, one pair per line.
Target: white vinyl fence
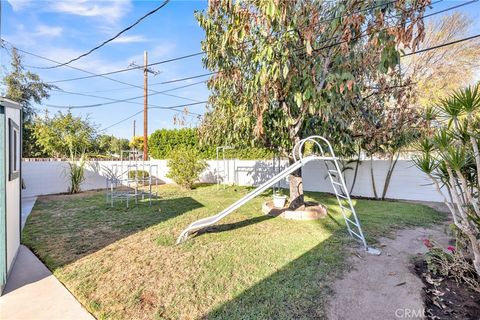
407,182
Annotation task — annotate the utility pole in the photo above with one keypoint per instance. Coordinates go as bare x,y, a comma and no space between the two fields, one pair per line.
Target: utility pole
146,70
134,123
145,105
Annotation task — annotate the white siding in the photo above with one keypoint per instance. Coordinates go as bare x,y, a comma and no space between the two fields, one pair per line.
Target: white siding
12,196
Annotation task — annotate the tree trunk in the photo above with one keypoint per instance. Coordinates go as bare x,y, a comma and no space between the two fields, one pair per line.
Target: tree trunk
373,178
475,242
476,153
356,170
296,189
391,167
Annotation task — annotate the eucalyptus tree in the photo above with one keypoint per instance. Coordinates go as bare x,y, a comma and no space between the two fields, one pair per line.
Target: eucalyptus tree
393,123
288,68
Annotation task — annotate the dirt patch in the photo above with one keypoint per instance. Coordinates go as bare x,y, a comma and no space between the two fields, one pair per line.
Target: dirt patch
312,211
446,299
384,287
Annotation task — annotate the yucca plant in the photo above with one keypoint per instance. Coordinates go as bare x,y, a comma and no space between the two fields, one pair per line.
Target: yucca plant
76,173
450,157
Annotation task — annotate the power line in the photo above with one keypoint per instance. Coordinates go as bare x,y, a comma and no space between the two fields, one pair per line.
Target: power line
112,38
137,113
123,120
184,79
127,100
152,84
441,45
201,53
192,77
83,70
126,69
113,101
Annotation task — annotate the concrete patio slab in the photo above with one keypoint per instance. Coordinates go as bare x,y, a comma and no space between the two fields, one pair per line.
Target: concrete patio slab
27,206
32,292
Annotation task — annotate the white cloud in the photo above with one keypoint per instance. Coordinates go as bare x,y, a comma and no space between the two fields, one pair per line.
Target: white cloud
130,39
90,63
110,11
44,30
162,50
18,5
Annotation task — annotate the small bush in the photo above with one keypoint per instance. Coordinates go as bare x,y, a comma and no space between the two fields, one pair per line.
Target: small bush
76,174
185,166
141,174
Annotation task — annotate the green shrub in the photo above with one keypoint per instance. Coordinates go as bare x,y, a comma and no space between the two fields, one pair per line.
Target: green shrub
76,174
141,174
185,166
162,142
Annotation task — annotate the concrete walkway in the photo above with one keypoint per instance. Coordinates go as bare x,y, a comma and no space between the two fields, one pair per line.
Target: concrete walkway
32,292
27,206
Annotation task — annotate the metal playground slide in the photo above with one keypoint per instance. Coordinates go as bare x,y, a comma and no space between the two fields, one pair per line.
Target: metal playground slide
327,155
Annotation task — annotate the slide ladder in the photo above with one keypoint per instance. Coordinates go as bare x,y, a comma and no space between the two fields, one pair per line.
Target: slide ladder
335,176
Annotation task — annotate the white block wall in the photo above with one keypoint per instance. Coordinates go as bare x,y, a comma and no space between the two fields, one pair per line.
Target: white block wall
407,182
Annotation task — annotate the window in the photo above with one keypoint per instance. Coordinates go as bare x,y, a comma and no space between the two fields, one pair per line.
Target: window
14,150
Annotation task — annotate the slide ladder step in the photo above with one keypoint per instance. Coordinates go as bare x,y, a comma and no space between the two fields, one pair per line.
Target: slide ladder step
352,222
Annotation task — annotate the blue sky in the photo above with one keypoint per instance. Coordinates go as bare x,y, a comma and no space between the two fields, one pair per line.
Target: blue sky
61,30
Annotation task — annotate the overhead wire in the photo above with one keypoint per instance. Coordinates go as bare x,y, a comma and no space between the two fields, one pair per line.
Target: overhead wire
173,108
86,71
184,79
441,45
150,84
112,38
201,52
419,51
112,101
389,27
126,69
137,113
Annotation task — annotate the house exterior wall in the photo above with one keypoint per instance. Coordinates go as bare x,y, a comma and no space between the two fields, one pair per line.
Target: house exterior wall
407,183
12,190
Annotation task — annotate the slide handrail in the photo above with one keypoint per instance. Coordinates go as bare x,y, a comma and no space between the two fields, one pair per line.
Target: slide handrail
336,179
208,221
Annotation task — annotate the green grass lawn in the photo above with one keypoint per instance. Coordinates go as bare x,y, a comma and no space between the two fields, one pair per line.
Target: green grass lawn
123,264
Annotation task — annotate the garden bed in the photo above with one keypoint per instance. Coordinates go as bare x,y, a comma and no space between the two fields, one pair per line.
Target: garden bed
123,264
447,299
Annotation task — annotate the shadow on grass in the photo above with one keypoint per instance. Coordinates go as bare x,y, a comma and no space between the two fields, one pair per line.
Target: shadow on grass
297,291
81,226
218,228
232,226
300,289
